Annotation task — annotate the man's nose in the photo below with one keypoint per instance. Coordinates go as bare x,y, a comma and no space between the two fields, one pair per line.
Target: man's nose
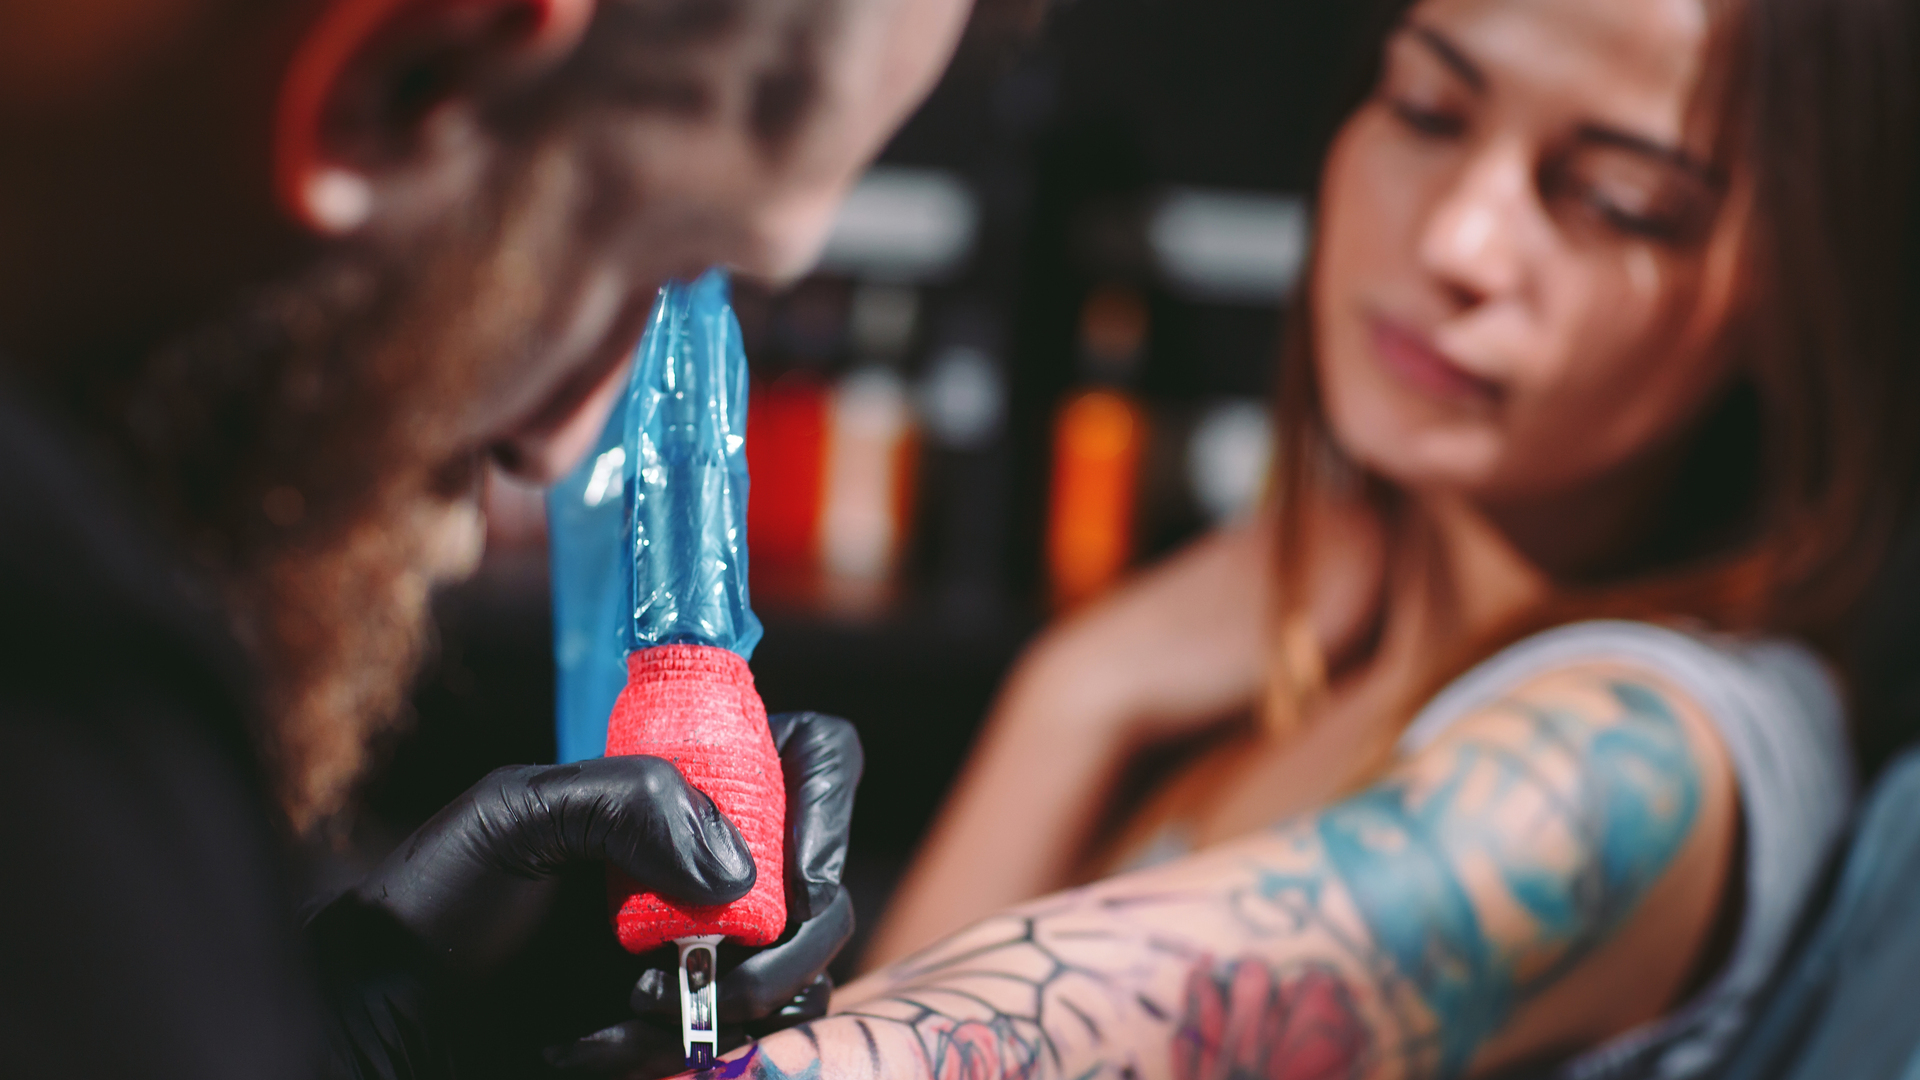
1479,233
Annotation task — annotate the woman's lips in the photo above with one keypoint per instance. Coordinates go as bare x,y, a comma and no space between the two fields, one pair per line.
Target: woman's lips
1409,355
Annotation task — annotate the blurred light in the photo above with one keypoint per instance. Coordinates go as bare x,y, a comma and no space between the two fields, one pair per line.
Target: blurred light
604,482
1229,458
902,224
862,519
962,399
1229,247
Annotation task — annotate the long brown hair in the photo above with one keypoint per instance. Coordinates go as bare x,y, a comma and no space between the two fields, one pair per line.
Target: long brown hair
1785,506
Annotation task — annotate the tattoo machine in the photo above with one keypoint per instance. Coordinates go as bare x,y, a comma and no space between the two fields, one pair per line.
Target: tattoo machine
684,622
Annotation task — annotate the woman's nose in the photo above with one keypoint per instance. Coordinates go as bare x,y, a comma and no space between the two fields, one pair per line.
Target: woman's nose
1477,235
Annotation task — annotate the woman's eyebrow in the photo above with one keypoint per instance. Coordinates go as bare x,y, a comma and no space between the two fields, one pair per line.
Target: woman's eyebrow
1674,156
1449,54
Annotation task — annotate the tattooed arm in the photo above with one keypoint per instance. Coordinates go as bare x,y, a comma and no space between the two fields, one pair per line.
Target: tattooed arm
1542,877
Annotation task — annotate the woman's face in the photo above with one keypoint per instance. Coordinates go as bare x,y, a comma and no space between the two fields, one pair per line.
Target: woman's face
1527,253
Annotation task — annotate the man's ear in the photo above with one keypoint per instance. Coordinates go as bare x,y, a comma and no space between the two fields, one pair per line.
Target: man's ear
366,73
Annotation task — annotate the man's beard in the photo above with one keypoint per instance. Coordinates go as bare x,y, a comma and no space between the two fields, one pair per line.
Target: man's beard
309,448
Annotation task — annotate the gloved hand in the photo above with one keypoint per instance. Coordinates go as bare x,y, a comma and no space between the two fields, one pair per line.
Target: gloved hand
486,936
760,990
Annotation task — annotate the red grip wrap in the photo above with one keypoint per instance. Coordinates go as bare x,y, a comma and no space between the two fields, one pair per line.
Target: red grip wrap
695,706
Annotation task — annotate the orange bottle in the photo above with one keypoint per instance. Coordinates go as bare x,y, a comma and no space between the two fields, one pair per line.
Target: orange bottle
1097,444
1099,439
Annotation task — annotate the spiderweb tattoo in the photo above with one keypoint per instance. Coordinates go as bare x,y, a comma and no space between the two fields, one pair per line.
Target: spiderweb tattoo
963,1032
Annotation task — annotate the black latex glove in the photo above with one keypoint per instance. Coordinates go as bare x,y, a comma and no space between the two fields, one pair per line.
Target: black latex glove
487,935
760,990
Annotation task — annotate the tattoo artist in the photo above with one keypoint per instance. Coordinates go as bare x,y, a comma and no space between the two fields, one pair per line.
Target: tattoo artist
277,277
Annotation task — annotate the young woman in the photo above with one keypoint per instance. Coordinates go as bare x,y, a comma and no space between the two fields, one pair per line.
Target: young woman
1591,433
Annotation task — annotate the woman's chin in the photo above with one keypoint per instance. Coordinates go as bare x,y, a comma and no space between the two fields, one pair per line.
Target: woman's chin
1407,440
1449,457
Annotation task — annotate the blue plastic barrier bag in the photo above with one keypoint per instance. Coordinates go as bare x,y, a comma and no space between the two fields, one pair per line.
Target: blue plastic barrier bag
648,536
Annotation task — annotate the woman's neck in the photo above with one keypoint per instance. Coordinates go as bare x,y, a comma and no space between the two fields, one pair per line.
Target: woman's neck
1466,568
1456,578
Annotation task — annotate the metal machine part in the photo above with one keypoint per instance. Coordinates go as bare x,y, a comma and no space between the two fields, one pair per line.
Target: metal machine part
699,1000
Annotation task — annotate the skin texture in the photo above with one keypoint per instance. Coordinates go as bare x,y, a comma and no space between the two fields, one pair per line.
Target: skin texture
1434,924
1527,271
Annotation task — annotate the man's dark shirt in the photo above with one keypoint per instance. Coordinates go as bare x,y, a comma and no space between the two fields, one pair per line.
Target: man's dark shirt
145,924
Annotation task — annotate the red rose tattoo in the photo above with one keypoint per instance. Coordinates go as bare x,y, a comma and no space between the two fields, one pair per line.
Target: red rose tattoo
971,1050
1244,1021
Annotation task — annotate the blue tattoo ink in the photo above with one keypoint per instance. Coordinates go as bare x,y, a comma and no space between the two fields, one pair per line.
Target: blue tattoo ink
1397,870
1272,885
1632,806
1647,784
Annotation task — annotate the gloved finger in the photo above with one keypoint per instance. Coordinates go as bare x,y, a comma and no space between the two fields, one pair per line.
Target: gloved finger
809,1004
766,982
822,761
656,993
636,1047
638,815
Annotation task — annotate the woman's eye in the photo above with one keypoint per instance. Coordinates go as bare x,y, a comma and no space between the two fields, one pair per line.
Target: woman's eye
1668,213
1663,227
1436,123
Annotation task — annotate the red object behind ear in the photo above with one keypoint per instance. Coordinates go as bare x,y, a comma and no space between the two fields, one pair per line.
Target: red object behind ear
695,706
